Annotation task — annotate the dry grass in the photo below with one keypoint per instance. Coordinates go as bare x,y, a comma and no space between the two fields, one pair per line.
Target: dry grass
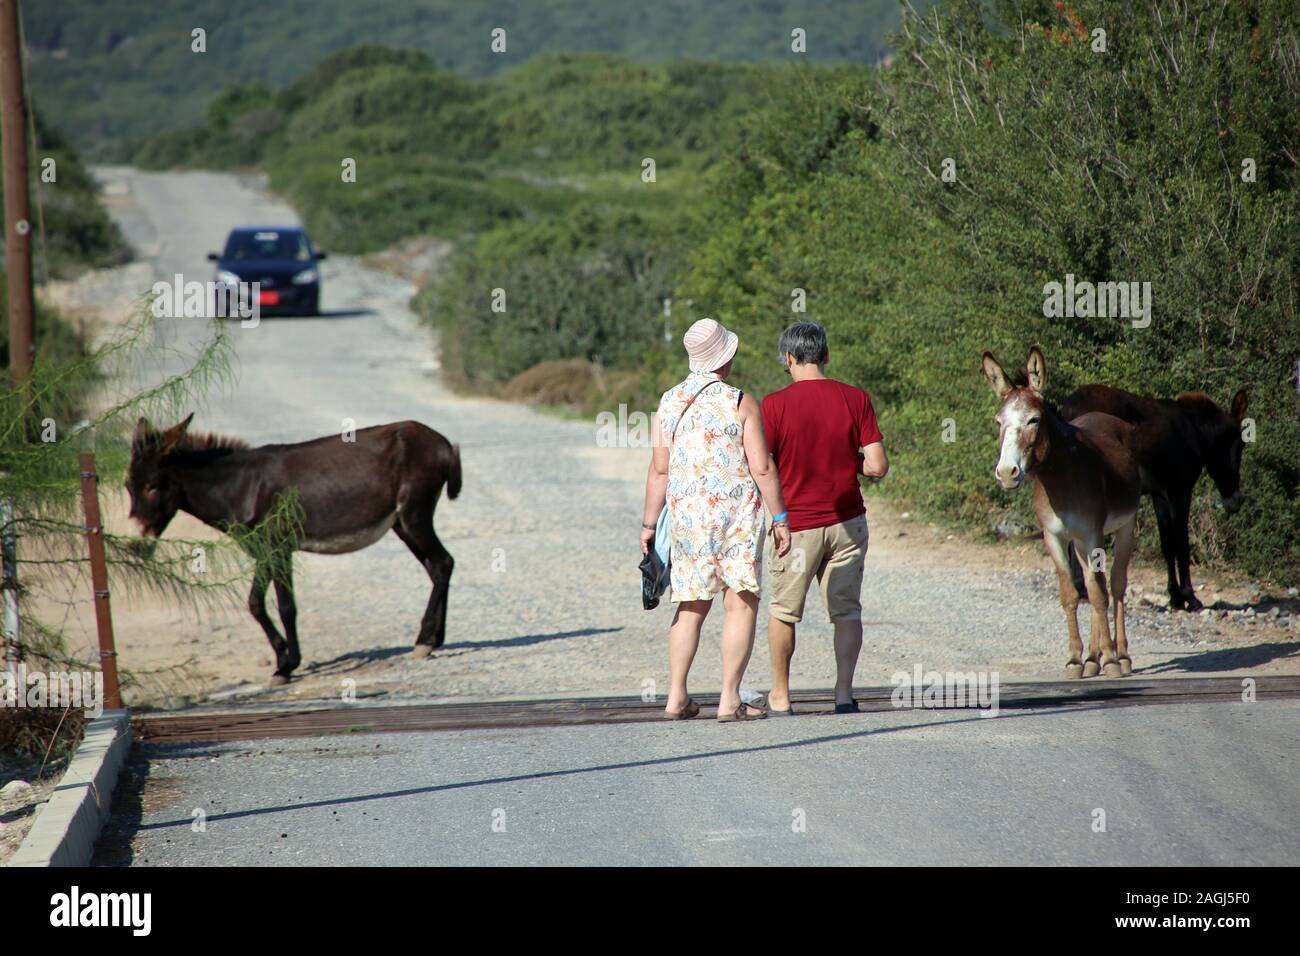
563,383
40,733
35,746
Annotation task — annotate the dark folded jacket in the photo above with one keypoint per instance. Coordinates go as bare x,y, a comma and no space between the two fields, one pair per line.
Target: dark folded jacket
654,580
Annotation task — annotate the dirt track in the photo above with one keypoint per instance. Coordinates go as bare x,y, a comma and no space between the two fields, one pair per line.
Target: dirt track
545,597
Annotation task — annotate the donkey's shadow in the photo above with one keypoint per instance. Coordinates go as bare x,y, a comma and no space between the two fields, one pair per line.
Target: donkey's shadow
354,660
1225,659
1263,606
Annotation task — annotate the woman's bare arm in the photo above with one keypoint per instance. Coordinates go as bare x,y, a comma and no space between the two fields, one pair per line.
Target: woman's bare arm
761,465
763,469
656,486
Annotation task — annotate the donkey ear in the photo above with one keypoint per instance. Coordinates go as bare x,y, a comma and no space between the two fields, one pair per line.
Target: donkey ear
996,377
1239,402
143,429
1036,366
174,434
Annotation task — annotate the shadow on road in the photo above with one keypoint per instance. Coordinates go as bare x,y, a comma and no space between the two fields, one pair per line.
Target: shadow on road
115,847
322,314
1224,659
523,641
353,660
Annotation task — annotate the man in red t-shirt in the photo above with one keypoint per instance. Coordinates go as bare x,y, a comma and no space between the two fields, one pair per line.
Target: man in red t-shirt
823,435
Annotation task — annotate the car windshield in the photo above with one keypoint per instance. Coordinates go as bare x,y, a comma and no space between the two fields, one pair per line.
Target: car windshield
268,244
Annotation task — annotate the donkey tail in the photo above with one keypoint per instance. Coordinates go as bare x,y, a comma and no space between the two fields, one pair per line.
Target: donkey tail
453,473
1076,572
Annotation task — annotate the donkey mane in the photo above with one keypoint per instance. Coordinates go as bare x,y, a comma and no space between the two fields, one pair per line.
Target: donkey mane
1198,402
209,441
194,442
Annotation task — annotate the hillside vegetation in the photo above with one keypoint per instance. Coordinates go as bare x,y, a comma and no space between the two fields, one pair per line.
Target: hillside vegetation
77,232
120,70
72,232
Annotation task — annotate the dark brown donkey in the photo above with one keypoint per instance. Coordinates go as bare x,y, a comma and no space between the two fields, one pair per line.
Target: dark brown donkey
346,493
1086,486
1174,441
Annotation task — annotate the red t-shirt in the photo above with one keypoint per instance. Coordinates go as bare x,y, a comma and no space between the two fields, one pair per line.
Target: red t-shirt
814,429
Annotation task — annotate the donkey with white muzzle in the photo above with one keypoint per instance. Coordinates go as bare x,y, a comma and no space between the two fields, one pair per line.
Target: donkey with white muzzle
1086,486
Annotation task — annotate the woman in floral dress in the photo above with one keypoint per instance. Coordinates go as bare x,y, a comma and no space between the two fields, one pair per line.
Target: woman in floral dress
712,468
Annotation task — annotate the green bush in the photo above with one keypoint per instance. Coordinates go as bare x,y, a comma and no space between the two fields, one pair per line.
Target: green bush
1116,166
582,284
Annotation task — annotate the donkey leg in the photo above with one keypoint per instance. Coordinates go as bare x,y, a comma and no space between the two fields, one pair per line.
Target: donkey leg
443,564
438,564
288,617
1119,585
1101,651
423,643
1168,547
1183,547
257,607
1060,551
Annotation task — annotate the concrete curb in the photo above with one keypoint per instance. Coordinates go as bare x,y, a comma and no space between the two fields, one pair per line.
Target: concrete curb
67,827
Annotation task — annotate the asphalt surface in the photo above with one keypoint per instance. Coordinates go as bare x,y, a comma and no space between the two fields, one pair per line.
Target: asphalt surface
1180,784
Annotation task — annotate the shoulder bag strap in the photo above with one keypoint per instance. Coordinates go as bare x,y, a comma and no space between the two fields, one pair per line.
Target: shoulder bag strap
687,407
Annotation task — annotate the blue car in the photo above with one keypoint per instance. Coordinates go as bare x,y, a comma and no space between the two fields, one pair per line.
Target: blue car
281,259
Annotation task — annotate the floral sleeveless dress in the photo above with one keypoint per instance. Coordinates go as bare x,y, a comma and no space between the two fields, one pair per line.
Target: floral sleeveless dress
714,508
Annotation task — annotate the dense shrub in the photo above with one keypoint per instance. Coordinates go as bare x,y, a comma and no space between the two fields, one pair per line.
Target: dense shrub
584,284
1124,166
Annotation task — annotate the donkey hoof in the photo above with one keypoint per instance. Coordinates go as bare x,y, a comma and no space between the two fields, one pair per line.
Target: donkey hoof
279,680
1073,671
1125,666
1112,669
421,651
1090,669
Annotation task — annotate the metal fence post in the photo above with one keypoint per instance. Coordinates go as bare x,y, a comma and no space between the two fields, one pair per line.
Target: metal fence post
99,580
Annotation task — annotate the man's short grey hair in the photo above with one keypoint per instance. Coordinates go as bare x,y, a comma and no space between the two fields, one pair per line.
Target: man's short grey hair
806,341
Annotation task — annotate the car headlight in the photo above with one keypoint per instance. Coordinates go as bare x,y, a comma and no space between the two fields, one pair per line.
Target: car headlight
227,278
305,277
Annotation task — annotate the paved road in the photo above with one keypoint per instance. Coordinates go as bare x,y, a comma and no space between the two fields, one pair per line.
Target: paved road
544,601
1204,784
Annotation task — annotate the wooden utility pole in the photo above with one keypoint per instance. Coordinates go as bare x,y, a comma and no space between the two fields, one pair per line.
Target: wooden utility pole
18,265
17,237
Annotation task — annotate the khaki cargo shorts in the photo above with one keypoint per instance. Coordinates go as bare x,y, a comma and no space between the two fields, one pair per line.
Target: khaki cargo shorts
834,555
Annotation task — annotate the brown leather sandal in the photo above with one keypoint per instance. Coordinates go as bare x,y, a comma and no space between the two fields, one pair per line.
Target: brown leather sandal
691,709
740,713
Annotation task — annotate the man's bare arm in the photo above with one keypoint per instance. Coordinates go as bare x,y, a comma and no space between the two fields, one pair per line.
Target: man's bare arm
875,463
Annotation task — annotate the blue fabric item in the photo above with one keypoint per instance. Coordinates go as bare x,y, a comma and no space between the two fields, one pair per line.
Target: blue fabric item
663,538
